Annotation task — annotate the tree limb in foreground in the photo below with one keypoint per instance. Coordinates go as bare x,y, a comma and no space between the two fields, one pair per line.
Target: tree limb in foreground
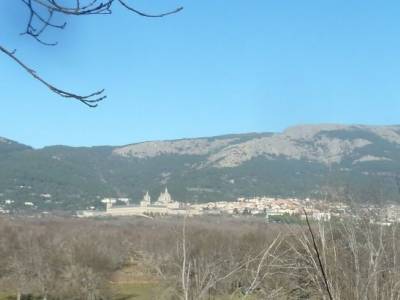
41,15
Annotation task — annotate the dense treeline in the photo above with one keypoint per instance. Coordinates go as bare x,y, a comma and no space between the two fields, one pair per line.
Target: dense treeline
207,258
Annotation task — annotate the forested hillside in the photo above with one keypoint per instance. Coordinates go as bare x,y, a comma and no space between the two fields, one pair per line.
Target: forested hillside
353,163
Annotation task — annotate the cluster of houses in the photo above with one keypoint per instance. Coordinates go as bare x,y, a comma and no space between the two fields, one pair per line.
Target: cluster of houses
274,207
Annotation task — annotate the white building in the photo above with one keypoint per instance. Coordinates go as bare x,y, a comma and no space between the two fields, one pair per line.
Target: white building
321,216
164,198
165,205
146,200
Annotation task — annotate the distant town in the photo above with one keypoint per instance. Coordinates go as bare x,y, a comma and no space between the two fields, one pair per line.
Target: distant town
270,208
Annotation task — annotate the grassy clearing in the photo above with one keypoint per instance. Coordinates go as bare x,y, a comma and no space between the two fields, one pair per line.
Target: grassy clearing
137,291
6,296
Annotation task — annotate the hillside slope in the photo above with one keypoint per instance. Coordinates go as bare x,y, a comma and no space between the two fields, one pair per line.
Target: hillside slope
359,163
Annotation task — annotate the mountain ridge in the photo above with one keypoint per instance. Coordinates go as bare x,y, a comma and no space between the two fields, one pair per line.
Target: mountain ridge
356,162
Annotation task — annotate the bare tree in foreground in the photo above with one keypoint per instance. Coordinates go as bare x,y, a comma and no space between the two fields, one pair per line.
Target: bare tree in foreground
206,258
41,17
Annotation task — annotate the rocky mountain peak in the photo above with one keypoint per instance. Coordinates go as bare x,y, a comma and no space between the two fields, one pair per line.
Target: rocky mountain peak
307,132
322,143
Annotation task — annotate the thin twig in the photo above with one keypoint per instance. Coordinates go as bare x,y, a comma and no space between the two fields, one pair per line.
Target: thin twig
322,269
90,100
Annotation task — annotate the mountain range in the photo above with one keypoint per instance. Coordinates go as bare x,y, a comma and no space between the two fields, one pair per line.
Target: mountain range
327,161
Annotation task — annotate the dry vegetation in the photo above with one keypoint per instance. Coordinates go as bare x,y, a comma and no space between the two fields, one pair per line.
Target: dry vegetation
208,258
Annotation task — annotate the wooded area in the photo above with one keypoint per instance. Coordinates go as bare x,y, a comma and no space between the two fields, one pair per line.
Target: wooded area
208,258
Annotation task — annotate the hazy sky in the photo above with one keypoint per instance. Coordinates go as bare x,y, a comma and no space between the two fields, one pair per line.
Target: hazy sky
217,67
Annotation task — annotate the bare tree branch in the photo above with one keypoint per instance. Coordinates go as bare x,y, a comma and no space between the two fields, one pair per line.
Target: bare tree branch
150,15
41,16
90,100
321,266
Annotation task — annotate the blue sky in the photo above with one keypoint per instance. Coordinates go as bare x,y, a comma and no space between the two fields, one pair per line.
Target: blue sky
217,67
